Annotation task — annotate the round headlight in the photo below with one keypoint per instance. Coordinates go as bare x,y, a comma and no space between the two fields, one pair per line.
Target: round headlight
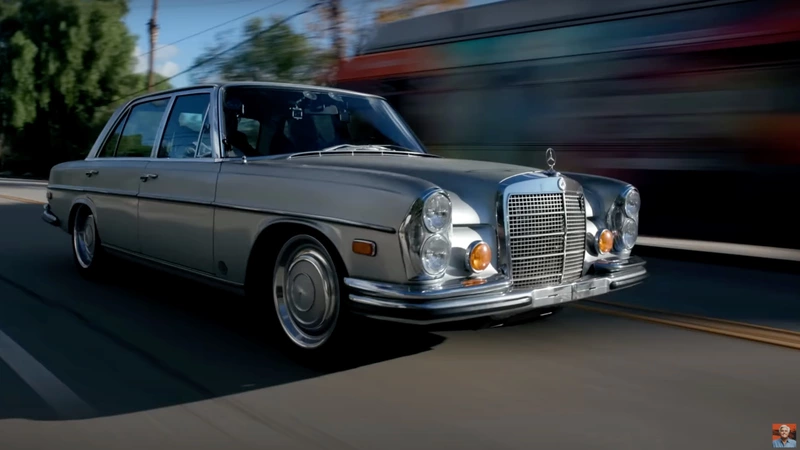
633,202
436,213
628,234
616,218
435,254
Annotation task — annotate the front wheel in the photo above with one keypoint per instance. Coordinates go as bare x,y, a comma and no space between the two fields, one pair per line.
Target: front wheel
306,291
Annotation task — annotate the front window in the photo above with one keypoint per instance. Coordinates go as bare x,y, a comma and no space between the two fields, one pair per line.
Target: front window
182,136
266,121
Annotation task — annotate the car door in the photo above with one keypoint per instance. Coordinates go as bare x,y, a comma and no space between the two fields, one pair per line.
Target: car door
176,213
112,176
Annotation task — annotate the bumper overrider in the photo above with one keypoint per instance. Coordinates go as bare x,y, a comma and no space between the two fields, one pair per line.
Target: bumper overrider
49,217
453,300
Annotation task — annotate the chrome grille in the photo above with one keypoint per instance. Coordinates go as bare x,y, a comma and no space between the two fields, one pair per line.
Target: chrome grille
546,238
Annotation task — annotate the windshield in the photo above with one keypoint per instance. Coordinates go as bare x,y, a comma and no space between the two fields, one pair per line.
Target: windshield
266,121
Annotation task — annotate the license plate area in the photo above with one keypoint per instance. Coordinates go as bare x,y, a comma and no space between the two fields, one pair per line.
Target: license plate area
551,295
590,288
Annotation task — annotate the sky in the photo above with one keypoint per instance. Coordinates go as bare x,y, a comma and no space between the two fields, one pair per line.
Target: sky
180,19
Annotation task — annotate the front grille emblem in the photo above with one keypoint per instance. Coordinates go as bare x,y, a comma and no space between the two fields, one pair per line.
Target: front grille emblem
551,158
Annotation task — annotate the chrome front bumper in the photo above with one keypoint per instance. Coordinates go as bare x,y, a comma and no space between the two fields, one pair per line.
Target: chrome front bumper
454,300
49,217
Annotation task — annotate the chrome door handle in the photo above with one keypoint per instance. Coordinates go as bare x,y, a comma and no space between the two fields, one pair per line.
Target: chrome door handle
148,176
89,173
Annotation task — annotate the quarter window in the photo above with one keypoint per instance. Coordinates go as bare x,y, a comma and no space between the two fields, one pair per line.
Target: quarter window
141,129
182,134
111,144
204,148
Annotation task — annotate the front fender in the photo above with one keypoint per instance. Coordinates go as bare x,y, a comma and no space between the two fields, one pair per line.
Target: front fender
600,194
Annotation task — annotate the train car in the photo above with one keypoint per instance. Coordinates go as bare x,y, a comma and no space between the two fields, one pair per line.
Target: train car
697,103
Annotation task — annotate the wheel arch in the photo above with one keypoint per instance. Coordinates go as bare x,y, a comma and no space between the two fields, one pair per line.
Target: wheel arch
270,239
76,206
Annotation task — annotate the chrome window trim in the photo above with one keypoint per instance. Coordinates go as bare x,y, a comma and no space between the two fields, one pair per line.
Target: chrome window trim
161,126
219,125
125,114
200,134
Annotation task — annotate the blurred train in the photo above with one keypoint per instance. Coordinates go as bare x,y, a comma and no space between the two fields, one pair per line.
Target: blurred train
695,102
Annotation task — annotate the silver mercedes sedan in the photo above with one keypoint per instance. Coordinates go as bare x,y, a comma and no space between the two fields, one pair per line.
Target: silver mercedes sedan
319,204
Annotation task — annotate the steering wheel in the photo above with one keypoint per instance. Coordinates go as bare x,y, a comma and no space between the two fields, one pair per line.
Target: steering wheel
182,151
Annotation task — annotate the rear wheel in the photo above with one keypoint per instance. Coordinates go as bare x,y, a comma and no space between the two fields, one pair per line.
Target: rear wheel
87,253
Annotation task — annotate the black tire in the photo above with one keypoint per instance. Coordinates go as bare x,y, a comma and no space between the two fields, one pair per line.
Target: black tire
309,319
87,251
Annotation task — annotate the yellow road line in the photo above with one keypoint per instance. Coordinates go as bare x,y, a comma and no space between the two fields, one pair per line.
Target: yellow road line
694,316
742,334
21,200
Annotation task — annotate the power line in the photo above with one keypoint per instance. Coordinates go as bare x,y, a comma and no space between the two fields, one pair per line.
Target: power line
214,27
194,4
220,53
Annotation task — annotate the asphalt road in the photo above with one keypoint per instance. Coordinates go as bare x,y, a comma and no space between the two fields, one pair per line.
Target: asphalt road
147,361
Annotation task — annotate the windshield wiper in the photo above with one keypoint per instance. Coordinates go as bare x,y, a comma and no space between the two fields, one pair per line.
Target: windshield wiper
336,147
365,148
398,147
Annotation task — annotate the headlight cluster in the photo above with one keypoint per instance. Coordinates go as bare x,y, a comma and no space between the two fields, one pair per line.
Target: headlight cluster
623,219
426,233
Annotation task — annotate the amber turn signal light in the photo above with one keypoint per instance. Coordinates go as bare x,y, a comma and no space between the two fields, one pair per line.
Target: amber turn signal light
605,241
367,248
479,256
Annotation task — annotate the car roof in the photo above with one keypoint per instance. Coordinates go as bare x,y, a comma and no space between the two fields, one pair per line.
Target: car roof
266,84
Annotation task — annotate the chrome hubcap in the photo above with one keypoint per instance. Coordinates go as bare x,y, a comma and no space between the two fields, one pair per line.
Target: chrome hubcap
83,238
306,292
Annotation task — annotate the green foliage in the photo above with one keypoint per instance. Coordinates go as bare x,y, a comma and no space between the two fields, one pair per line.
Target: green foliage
62,62
271,51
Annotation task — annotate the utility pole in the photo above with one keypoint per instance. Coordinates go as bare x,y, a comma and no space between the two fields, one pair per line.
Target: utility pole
335,20
153,28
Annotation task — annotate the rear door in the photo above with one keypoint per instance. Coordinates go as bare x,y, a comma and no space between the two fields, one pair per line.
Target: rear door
113,175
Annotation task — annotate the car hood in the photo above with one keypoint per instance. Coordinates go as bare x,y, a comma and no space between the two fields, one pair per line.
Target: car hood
472,185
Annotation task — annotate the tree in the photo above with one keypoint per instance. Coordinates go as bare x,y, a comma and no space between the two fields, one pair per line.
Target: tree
348,30
270,51
62,63
412,8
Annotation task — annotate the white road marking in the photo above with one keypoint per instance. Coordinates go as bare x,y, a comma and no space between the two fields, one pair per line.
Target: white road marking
23,182
55,393
786,254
